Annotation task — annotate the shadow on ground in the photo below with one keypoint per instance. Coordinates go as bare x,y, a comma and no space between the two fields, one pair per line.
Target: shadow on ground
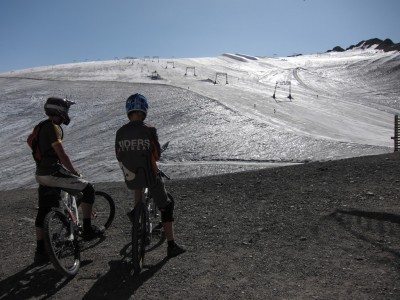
120,282
32,281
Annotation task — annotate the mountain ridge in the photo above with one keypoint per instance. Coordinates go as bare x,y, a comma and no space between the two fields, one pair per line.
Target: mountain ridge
385,45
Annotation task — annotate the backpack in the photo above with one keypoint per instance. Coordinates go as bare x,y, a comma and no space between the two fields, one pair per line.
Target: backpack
33,141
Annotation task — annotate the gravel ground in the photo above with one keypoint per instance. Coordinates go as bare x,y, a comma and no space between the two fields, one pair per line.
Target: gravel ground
322,230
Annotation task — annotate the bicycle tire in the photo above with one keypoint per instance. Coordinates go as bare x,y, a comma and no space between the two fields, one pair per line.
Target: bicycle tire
103,210
139,237
61,245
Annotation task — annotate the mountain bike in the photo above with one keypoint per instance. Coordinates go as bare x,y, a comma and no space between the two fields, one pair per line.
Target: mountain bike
147,230
62,228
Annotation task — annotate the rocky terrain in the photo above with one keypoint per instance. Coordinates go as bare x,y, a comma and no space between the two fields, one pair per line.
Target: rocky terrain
322,230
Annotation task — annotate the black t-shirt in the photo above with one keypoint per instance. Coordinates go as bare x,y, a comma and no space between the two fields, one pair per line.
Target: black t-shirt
49,135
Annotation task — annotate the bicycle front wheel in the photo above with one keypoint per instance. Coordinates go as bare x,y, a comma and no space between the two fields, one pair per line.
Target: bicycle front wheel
139,235
61,243
103,210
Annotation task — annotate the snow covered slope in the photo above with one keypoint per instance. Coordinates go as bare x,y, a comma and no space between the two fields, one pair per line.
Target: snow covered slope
218,112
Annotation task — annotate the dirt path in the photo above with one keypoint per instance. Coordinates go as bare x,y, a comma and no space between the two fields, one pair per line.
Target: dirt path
315,231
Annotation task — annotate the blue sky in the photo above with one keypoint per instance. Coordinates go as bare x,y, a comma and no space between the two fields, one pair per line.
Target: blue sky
45,32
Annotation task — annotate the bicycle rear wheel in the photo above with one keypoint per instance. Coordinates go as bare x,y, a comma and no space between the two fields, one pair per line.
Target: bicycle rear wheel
103,210
61,244
139,237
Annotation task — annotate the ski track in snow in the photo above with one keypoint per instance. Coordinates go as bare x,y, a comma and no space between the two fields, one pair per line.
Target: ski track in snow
342,106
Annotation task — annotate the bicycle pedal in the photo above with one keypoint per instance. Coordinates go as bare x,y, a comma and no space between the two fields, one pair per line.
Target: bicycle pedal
158,227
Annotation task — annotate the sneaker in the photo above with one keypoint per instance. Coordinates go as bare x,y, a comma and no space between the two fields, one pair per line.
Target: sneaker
175,251
41,258
93,233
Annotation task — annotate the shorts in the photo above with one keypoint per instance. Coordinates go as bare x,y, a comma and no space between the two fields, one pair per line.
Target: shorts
159,193
64,180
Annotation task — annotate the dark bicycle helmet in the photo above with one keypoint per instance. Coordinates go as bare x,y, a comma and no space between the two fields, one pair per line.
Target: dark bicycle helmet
136,102
58,107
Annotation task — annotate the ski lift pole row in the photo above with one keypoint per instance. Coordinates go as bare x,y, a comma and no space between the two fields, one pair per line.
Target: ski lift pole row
396,136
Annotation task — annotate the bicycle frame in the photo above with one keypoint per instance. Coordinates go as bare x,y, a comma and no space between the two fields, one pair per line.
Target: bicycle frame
70,208
152,210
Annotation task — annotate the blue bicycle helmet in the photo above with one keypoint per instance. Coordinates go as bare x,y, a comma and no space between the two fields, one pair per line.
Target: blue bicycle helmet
136,102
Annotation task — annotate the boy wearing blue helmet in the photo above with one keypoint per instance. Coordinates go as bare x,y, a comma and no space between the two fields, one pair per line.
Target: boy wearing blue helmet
137,150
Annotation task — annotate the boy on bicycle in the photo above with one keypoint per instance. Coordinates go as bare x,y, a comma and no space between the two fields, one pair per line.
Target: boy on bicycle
137,149
56,170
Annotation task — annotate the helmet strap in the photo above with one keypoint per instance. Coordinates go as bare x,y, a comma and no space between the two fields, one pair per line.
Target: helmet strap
136,116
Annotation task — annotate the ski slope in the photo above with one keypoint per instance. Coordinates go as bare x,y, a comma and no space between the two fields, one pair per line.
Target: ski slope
218,112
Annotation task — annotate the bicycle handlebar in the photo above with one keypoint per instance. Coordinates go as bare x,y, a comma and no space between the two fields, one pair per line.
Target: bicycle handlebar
163,148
